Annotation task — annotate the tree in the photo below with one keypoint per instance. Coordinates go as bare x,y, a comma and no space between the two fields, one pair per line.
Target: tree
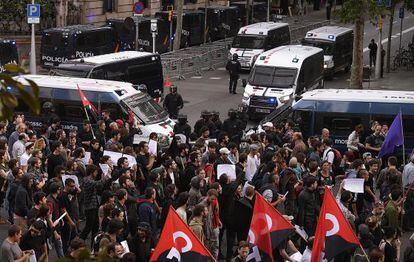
357,12
179,24
8,101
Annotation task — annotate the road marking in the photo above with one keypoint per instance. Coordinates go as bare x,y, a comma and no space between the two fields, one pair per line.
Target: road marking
215,78
366,49
221,69
197,77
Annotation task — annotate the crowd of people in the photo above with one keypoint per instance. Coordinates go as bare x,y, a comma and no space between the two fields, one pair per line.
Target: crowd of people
59,200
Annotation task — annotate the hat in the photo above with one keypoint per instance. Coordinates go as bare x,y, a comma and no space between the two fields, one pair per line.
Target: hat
28,144
268,124
224,150
119,122
366,155
157,170
144,225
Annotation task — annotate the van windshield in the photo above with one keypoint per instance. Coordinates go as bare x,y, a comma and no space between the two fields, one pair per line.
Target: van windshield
328,47
249,41
269,76
69,72
54,41
145,108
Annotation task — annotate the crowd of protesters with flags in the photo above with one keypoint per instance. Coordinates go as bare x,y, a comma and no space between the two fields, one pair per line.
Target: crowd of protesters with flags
273,196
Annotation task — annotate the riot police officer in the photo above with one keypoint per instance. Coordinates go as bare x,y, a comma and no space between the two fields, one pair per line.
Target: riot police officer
203,121
173,102
182,127
234,68
233,126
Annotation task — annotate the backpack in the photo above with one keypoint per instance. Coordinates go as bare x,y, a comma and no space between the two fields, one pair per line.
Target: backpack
336,161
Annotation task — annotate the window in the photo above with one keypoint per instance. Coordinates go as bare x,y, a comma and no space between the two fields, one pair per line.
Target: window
116,72
144,72
92,39
341,124
272,76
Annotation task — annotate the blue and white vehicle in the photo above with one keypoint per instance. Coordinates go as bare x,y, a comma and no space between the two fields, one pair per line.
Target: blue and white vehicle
254,39
119,98
281,73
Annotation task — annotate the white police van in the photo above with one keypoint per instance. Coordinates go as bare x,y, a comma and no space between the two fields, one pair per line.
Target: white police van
118,97
254,39
337,43
281,73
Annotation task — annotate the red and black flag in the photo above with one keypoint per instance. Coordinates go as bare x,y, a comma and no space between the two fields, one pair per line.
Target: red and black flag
86,103
267,230
333,232
178,243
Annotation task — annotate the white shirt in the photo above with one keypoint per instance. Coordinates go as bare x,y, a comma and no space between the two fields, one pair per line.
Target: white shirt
18,149
23,159
172,177
329,155
253,164
408,174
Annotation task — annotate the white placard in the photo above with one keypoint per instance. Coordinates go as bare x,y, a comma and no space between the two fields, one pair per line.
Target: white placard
131,160
228,169
182,137
139,138
355,185
152,144
32,257
85,160
114,156
75,178
124,244
301,232
60,218
296,256
104,168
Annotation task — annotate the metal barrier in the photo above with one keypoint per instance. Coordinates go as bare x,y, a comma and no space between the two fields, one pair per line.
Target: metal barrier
194,60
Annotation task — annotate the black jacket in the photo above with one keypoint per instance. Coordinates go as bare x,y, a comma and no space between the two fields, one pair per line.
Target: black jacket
308,208
173,103
234,68
226,202
23,201
243,211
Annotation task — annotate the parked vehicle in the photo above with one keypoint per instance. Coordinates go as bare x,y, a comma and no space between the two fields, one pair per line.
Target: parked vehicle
337,44
254,39
78,41
279,75
8,53
193,26
119,98
130,66
125,33
222,21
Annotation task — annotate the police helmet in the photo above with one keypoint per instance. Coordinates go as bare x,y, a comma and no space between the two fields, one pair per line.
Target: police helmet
205,113
235,56
232,113
173,88
182,118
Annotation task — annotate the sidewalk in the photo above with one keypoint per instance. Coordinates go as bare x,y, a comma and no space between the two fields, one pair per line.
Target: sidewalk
401,79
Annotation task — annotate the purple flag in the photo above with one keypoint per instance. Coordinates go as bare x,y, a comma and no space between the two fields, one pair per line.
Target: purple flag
394,137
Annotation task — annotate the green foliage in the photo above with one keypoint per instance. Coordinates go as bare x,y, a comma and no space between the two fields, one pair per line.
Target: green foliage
353,10
8,102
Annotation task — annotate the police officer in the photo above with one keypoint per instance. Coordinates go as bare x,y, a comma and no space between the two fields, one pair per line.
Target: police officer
182,127
203,121
215,118
234,68
173,102
233,126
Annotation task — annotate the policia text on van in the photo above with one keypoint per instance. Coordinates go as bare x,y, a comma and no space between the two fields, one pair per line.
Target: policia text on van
117,97
340,110
77,41
130,66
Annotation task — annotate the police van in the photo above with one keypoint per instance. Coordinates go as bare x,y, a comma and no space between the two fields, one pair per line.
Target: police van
130,66
192,28
281,73
78,41
337,43
8,53
119,98
340,110
222,21
252,40
125,33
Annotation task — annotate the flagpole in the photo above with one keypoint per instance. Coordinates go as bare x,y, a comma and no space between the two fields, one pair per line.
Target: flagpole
87,117
363,250
403,144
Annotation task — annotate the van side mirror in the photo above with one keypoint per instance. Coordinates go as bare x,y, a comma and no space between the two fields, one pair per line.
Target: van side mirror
244,82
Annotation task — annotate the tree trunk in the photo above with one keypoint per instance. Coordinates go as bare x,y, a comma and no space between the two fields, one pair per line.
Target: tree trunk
179,25
60,14
389,38
248,12
357,55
